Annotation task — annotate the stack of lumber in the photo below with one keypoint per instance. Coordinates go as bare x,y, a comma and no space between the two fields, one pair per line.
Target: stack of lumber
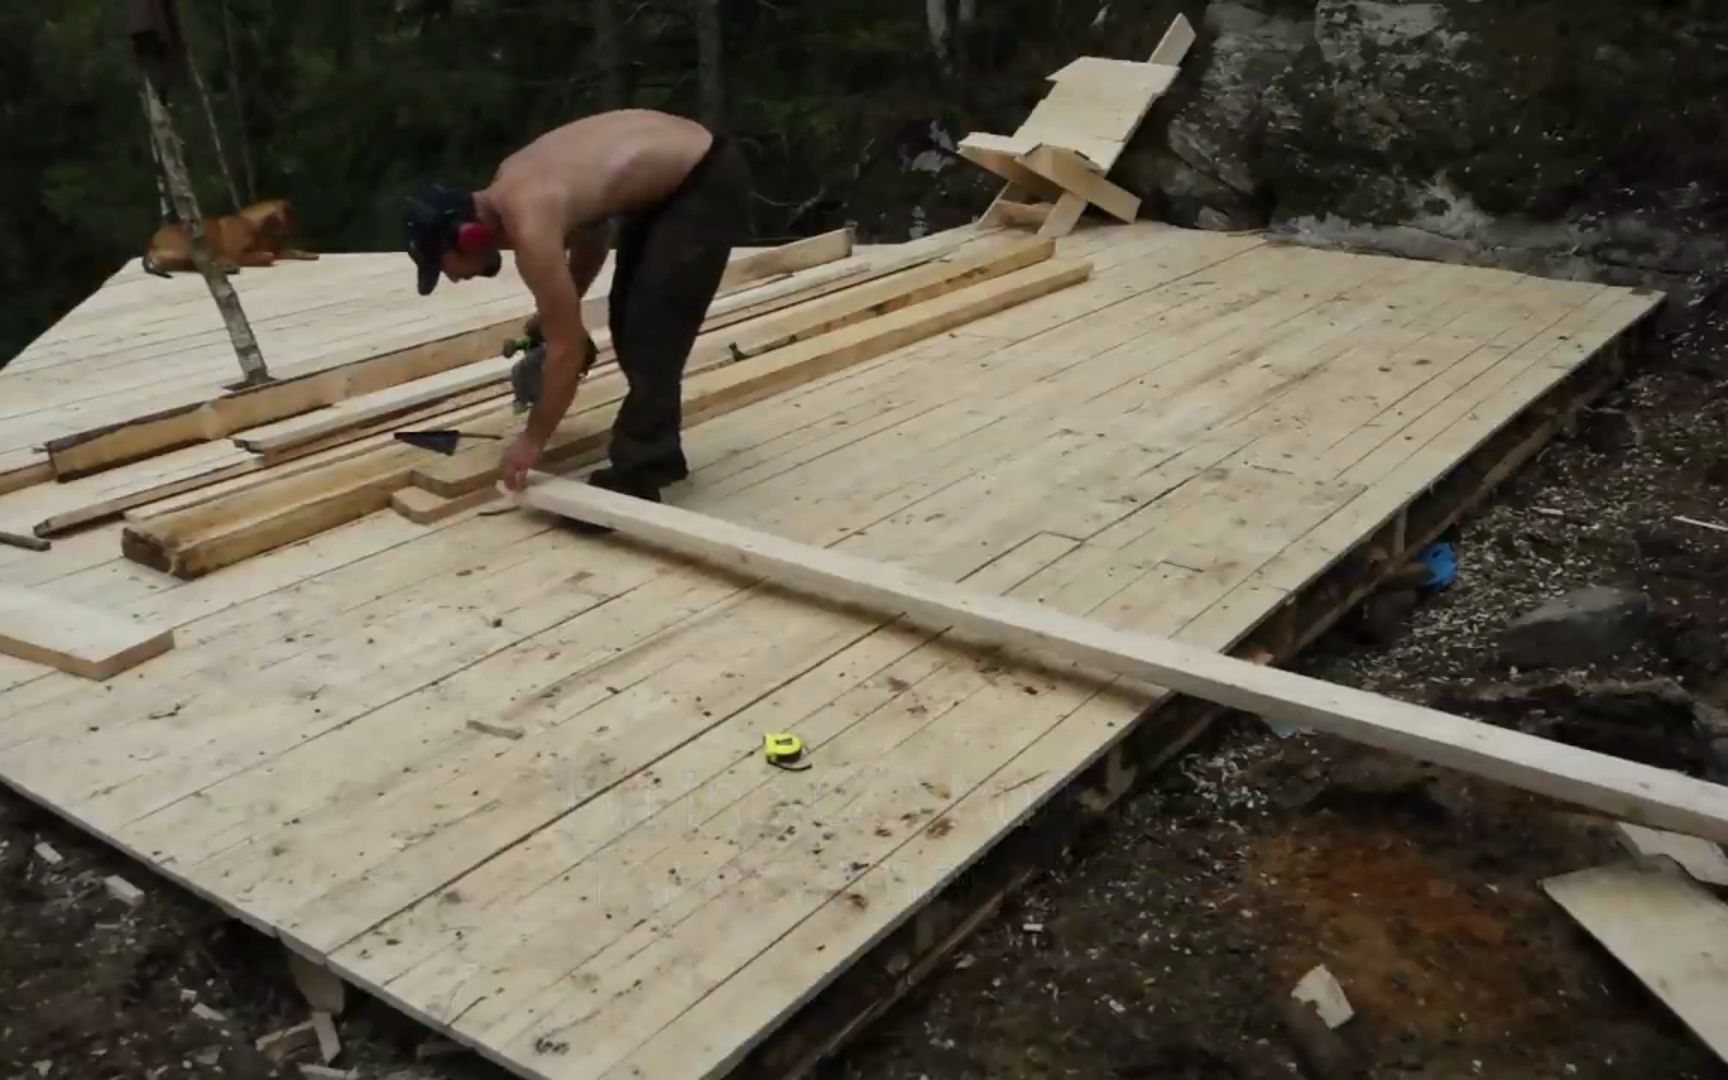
209,485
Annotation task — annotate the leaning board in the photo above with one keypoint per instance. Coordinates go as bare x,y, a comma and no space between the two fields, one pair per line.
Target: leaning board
1179,445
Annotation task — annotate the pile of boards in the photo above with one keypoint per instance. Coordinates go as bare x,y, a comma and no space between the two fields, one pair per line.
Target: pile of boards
203,488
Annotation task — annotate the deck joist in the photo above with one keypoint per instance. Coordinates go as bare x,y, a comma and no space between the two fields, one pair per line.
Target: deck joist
1219,438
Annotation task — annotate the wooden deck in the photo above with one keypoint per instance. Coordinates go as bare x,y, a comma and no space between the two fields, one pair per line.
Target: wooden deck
1179,444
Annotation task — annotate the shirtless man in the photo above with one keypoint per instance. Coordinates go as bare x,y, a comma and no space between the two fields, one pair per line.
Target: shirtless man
680,197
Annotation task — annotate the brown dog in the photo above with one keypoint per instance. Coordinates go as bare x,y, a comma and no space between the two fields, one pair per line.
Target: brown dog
256,236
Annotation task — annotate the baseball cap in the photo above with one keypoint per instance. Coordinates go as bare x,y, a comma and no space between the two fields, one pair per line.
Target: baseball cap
429,226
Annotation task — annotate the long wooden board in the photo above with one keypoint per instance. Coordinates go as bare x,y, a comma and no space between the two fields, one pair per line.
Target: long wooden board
204,538
1624,789
74,638
1668,931
729,387
224,414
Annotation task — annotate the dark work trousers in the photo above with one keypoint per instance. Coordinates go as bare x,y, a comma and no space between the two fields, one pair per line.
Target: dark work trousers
669,262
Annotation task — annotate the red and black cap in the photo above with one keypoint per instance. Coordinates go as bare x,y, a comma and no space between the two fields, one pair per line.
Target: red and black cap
431,220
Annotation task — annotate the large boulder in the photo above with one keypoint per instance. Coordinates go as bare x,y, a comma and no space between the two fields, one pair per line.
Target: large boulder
1579,138
1197,166
1582,628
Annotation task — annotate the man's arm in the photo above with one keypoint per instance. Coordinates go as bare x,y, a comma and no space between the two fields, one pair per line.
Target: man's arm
540,259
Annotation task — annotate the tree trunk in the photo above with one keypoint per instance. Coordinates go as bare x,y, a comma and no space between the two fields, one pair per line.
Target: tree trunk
936,18
215,130
168,152
710,76
608,54
239,110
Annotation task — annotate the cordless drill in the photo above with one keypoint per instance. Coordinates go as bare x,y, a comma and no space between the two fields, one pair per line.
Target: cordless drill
525,373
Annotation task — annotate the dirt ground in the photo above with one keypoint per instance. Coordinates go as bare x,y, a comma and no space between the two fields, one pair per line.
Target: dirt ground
1164,945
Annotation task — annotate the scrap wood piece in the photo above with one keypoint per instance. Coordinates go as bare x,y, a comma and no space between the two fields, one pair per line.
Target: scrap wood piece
1666,929
278,1046
1700,858
716,391
47,853
322,988
1321,990
76,639
423,507
1658,797
329,1043
122,890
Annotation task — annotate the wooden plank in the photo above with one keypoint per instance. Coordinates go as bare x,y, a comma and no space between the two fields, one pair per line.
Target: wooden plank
1700,858
1063,217
200,421
1656,797
423,508
734,306
717,391
20,469
204,418
207,537
879,298
1175,43
1020,213
76,639
1064,167
789,258
1144,79
1669,932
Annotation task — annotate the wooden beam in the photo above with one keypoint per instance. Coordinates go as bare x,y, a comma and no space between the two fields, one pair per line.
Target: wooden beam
719,390
424,508
1067,169
203,420
1019,213
742,304
1063,217
206,537
1656,797
879,298
219,415
788,258
76,639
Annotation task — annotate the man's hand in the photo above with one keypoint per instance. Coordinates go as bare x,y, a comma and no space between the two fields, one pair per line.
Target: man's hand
522,455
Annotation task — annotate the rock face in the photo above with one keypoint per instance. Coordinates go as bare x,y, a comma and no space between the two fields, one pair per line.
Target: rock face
1576,630
1533,134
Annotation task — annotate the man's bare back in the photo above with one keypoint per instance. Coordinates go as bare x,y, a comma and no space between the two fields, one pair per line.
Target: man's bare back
680,196
604,165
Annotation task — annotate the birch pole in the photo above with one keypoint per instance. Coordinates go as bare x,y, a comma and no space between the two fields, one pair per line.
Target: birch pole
185,199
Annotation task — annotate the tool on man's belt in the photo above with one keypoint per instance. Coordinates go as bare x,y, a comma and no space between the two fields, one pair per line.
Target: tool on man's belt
442,441
784,750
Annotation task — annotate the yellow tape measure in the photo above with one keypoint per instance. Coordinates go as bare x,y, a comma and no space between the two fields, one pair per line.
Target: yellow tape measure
784,750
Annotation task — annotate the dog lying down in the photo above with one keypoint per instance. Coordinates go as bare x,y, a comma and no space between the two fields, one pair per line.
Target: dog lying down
256,236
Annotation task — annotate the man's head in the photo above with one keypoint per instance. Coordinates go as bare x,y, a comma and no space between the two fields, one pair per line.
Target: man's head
445,235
